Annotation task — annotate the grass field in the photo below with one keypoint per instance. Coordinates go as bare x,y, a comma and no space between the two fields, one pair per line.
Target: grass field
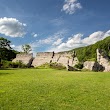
47,89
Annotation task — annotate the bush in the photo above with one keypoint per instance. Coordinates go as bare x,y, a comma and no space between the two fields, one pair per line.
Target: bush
79,66
5,64
44,66
9,64
58,66
18,65
92,59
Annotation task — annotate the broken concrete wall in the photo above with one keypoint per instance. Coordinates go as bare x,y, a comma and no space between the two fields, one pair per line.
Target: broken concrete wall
103,60
47,57
42,58
102,64
24,58
91,65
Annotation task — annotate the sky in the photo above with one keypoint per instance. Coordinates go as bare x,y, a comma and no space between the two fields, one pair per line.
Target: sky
54,25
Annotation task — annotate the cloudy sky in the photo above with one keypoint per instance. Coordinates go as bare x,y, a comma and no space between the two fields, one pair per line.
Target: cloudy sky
54,25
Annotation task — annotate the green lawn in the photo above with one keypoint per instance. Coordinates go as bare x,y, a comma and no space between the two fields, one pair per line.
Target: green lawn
47,89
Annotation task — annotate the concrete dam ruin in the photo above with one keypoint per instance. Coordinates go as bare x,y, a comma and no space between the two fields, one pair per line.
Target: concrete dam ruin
67,59
47,57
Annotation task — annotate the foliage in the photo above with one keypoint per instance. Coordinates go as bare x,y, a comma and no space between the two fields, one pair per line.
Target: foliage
6,53
79,66
9,64
92,59
58,66
5,64
26,48
48,89
89,52
4,43
44,66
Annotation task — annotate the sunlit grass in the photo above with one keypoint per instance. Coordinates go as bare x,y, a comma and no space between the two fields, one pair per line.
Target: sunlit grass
47,89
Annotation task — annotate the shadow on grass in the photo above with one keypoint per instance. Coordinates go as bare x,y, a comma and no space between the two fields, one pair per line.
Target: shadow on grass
11,68
6,68
5,73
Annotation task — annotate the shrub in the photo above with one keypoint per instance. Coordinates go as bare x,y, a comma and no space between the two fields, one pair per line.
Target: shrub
92,59
58,66
5,64
18,65
79,66
44,66
9,64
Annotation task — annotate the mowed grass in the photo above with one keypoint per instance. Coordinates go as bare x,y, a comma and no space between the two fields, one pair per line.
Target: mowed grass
48,89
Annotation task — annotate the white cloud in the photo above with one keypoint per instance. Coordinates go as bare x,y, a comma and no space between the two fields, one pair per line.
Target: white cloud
12,46
48,40
12,27
18,47
107,34
71,6
52,39
77,41
94,37
34,34
56,43
41,42
59,41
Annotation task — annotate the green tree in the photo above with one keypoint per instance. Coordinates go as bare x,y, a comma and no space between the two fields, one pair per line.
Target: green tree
26,48
6,52
4,43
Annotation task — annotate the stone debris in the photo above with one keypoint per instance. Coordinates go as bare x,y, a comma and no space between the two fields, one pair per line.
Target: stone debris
71,68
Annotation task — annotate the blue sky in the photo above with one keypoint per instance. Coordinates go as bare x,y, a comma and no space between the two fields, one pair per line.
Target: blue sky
54,25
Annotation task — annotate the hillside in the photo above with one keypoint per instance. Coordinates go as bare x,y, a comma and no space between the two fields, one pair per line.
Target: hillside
89,52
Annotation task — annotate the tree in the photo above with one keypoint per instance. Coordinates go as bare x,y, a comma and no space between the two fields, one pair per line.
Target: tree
26,48
4,43
6,52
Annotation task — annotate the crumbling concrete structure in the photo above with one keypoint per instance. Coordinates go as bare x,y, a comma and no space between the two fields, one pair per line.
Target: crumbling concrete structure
67,59
93,66
102,64
90,65
103,60
24,58
49,57
42,58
